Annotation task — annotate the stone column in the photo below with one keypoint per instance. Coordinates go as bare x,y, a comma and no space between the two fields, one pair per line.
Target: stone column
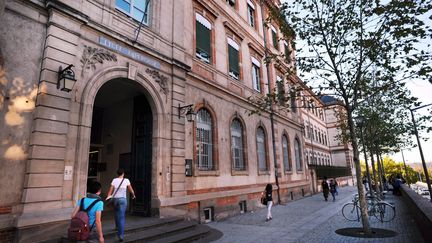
44,186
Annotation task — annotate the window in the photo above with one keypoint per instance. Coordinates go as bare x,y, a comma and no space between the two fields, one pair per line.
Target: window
233,59
256,74
293,100
203,38
297,151
137,9
204,140
251,13
261,149
231,2
280,90
274,38
285,151
237,145
287,53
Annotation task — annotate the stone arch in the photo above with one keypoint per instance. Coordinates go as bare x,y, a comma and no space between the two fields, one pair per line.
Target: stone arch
86,98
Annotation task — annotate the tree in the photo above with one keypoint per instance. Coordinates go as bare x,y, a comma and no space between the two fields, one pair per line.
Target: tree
350,44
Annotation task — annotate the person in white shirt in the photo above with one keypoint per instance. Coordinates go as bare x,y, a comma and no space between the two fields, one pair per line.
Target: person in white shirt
118,192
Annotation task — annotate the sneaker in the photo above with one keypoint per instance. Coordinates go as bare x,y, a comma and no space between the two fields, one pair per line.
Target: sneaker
271,218
267,220
120,239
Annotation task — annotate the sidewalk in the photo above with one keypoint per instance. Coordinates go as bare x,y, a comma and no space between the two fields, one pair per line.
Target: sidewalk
311,219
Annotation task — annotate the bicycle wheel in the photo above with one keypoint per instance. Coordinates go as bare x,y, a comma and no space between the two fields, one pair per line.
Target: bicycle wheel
384,212
351,212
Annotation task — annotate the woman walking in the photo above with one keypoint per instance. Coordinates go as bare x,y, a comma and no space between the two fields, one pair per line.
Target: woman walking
268,194
325,188
119,186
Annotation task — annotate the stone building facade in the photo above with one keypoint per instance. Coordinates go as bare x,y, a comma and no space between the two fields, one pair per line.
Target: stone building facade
139,66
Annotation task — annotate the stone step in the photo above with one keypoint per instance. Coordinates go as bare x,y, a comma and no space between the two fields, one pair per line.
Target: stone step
196,233
156,233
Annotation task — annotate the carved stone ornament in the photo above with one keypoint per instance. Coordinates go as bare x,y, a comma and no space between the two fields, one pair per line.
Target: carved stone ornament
93,55
160,79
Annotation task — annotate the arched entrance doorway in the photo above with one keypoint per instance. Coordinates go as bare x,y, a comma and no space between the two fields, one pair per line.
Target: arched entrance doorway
121,137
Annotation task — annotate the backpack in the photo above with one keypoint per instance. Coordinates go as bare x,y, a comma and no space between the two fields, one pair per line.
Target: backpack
79,228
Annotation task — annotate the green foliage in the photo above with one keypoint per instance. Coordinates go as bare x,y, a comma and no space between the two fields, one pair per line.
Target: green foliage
393,168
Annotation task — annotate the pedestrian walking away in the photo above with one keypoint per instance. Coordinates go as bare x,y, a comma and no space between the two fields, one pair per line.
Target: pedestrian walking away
92,204
119,186
268,194
337,186
325,188
333,189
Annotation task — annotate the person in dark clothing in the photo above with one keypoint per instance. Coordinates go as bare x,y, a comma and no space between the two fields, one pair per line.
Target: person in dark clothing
268,194
325,188
333,189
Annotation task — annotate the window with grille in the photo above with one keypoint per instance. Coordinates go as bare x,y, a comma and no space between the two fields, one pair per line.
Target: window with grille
137,9
251,13
297,151
233,59
237,151
287,53
275,38
203,38
280,90
285,151
256,74
204,140
261,150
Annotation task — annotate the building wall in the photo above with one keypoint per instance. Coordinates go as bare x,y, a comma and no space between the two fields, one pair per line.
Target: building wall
20,64
98,40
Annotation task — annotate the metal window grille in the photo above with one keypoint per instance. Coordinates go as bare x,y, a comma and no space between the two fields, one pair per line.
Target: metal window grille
251,16
262,165
237,145
204,140
256,77
297,154
285,153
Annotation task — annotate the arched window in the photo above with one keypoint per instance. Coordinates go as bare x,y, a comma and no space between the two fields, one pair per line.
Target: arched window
297,151
204,140
237,151
261,149
285,151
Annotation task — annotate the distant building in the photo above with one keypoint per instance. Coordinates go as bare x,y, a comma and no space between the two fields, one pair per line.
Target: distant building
140,66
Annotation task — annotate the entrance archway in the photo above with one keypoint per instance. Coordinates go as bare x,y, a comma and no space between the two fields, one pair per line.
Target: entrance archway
121,137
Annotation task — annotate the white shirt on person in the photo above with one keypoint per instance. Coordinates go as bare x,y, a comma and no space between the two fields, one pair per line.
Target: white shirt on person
121,193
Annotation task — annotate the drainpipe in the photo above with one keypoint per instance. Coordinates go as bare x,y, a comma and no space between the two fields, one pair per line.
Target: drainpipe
271,105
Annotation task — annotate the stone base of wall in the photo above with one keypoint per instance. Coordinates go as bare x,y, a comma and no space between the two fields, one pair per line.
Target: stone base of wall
225,207
7,235
42,232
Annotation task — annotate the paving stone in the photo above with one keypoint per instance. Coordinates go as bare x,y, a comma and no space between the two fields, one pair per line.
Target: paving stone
312,219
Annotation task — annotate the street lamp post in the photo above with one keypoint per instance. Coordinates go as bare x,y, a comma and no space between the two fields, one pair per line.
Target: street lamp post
420,148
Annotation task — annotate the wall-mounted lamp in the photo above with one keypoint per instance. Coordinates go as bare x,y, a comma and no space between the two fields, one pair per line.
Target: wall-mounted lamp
190,114
66,78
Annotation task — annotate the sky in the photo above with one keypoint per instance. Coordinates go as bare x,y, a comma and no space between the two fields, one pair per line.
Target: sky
423,91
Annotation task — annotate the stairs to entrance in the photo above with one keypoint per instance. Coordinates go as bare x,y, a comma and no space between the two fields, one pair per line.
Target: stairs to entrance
160,230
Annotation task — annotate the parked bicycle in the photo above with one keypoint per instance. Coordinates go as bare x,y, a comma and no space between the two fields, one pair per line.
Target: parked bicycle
382,210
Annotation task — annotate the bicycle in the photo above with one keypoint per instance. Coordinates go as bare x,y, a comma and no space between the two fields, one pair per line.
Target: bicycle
380,209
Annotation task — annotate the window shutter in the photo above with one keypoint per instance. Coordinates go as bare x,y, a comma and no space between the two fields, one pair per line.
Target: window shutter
233,56
203,41
275,39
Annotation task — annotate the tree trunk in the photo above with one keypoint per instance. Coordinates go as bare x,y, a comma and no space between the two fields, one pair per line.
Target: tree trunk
377,189
362,199
380,173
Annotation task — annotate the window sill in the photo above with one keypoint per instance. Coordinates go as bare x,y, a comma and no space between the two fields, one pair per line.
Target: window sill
263,172
206,172
239,172
288,172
